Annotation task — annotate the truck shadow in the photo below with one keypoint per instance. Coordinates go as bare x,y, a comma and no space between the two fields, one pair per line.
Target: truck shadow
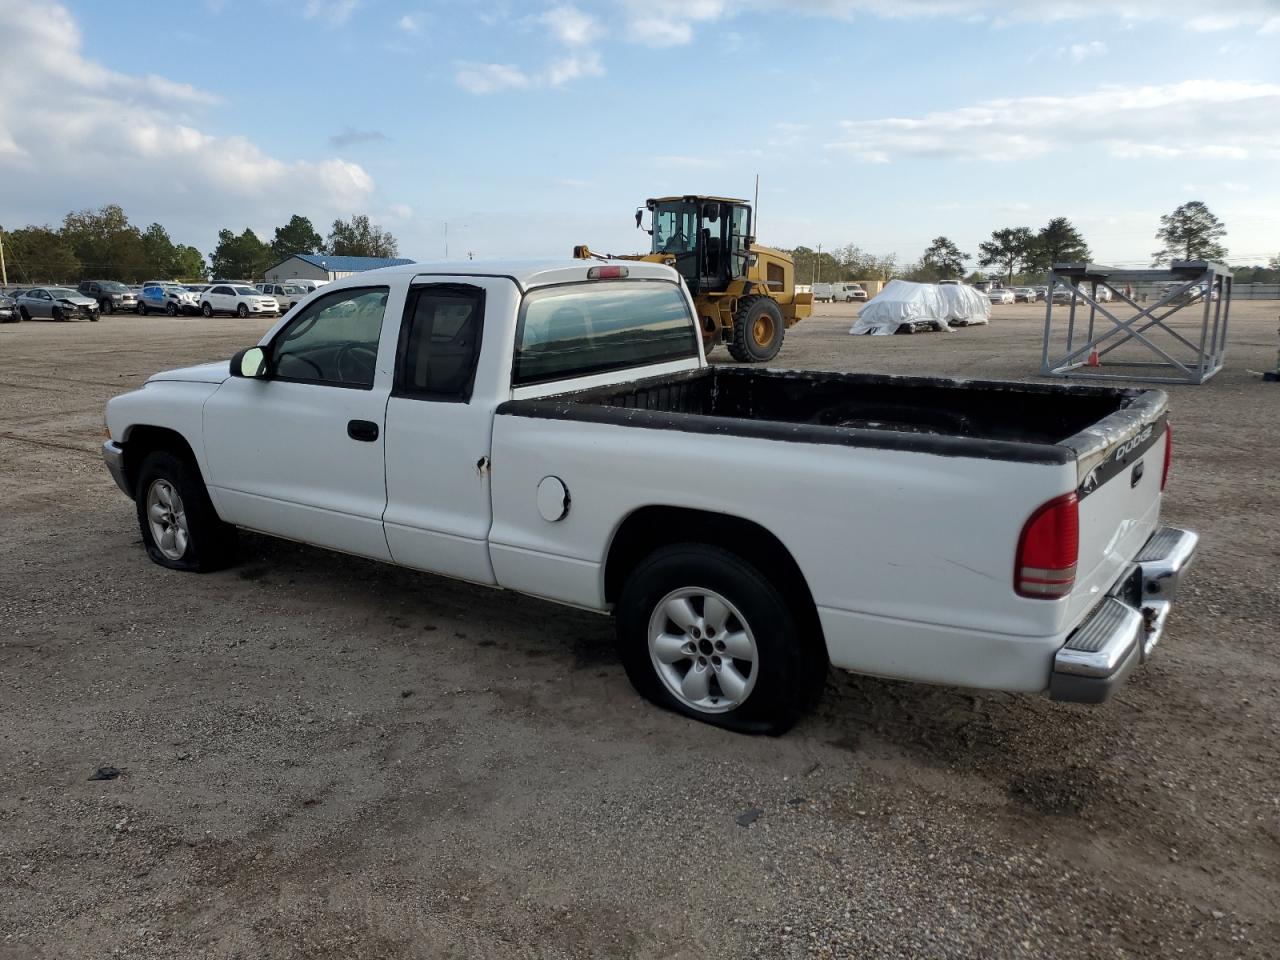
1043,754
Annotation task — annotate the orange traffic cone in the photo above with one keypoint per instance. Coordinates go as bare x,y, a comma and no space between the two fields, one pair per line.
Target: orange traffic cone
1093,357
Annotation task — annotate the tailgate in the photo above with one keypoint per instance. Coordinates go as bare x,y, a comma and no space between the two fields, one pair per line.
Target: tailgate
1120,463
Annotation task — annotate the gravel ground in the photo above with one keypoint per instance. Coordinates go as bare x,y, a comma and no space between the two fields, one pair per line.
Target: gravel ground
326,757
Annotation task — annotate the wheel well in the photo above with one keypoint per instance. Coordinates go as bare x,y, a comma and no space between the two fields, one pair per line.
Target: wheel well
143,440
649,528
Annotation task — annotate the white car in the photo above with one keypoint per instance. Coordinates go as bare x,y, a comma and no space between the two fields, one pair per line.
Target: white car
239,299
576,452
285,294
1000,295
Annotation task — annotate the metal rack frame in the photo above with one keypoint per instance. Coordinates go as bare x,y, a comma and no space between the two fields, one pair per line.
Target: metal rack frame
1084,357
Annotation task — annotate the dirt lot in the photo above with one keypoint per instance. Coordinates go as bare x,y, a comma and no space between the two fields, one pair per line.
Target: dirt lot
324,757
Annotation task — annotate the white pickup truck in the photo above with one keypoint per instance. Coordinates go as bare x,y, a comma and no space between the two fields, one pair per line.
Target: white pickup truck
554,429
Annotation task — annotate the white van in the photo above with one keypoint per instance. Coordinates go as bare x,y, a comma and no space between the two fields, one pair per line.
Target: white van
823,293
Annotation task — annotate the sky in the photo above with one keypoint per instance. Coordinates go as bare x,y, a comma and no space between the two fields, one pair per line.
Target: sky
528,127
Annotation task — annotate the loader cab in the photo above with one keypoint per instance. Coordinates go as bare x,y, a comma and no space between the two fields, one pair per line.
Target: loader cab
709,237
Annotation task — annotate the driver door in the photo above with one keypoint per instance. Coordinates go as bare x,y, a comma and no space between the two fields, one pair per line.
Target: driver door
299,454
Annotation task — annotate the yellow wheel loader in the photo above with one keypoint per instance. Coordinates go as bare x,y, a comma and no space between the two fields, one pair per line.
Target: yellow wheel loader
745,294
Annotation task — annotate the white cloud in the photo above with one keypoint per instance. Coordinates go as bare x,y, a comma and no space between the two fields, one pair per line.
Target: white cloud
574,66
334,13
571,26
90,135
1207,119
409,23
1083,51
490,77
664,23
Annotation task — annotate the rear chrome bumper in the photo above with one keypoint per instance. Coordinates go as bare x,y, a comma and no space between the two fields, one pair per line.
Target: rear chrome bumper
1124,629
113,456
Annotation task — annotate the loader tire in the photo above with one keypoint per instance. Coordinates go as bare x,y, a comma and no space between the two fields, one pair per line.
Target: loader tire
758,329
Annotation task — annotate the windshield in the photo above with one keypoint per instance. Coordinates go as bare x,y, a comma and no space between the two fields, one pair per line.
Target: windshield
675,227
247,291
113,287
292,290
62,293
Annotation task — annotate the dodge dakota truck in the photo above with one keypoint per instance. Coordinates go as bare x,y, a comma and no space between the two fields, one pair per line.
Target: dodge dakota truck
554,429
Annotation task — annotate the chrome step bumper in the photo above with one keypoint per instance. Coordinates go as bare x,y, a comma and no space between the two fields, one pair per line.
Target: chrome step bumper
1124,629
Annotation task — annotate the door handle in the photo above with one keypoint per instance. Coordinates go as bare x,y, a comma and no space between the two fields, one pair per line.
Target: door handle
365,430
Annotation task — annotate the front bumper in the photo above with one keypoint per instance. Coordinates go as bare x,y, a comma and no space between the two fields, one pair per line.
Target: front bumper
1124,629
113,456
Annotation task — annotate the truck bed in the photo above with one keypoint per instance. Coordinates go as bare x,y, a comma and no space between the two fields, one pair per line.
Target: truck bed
999,420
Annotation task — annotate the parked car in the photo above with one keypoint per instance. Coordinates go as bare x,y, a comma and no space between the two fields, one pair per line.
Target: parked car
1190,295
112,295
1042,294
1000,295
56,303
285,294
166,297
1024,295
848,292
8,309
567,453
239,299
198,289
311,286
823,293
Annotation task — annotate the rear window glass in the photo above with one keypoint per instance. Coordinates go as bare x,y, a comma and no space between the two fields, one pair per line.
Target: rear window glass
592,327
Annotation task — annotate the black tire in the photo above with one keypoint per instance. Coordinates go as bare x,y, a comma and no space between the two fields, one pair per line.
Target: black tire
142,309
758,329
93,317
211,544
106,306
242,311
171,310
23,315
206,309
58,315
789,672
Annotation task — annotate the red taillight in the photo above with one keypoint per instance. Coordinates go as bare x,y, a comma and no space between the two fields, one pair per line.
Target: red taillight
607,273
1168,455
1045,567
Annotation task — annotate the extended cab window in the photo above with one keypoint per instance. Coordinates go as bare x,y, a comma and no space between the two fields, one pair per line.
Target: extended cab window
440,341
334,341
585,328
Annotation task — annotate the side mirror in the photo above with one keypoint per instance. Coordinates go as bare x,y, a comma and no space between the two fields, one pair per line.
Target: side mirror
639,216
250,363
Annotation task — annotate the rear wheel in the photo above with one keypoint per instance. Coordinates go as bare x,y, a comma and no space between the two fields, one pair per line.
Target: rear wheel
758,329
22,314
704,633
171,310
180,528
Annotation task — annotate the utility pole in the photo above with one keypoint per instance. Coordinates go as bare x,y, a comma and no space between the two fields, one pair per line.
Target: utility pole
816,275
4,274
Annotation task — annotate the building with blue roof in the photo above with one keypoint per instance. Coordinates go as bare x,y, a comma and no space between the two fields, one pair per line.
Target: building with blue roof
322,266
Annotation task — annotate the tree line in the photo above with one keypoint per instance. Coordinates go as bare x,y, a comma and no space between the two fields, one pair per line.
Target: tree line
1023,255
103,245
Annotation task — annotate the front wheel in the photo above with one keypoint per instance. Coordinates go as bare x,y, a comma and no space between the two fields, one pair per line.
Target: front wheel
171,310
704,633
242,311
58,315
142,309
758,329
107,307
180,528
206,309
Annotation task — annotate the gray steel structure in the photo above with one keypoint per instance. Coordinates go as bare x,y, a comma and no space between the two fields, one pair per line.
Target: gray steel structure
1189,282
